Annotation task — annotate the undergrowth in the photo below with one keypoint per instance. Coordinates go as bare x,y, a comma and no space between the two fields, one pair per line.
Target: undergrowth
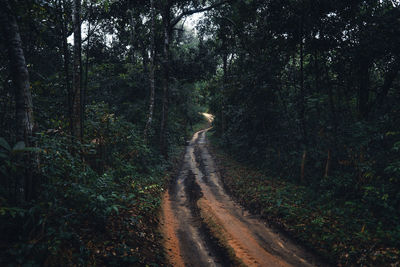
344,231
97,203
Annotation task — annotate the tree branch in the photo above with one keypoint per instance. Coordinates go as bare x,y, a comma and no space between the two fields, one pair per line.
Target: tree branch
193,11
91,33
390,76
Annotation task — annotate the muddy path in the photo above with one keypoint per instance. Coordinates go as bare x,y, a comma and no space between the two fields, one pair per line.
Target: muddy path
196,193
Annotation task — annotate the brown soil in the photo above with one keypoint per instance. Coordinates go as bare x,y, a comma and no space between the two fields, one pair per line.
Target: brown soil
198,193
169,225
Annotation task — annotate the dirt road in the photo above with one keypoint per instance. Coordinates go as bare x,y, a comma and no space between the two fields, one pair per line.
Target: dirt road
196,197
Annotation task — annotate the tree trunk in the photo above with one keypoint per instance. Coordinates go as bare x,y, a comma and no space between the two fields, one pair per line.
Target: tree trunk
85,88
390,76
363,89
152,70
23,97
302,101
328,164
303,164
225,82
302,91
165,80
76,75
66,58
132,36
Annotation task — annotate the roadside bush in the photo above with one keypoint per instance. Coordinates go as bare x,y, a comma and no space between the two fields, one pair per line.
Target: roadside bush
95,201
345,226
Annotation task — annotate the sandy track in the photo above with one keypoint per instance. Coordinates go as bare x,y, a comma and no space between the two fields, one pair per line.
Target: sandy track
187,243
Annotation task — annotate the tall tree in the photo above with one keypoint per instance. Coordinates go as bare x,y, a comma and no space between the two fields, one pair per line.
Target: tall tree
165,76
20,77
87,55
77,129
151,70
66,58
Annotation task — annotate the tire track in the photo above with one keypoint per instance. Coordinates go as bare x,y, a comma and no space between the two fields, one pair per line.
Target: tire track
187,238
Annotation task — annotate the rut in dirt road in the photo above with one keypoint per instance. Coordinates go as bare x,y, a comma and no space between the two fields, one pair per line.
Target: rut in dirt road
198,190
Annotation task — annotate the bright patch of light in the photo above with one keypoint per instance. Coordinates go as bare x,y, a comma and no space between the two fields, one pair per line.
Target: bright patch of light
192,21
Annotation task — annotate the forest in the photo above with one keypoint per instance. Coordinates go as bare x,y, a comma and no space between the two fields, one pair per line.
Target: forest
199,133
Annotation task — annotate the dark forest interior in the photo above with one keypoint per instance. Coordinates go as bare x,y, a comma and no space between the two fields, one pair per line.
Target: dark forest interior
99,99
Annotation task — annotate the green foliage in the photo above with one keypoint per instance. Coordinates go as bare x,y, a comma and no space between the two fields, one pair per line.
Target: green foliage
308,91
12,162
294,85
93,201
79,206
345,231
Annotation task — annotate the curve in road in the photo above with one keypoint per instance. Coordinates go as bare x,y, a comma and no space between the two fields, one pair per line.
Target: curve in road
199,190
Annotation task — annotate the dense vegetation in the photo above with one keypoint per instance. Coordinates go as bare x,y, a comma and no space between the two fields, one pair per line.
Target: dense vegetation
309,91
97,97
82,183
334,228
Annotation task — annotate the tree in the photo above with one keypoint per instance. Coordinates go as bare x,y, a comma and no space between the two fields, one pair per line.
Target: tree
152,69
61,6
169,22
23,97
77,129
